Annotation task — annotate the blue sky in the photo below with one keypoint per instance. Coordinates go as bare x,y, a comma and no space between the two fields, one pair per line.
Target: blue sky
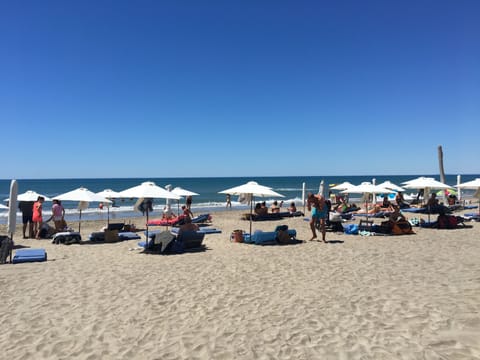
238,88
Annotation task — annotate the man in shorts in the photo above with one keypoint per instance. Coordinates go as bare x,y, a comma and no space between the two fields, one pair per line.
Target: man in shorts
316,204
26,207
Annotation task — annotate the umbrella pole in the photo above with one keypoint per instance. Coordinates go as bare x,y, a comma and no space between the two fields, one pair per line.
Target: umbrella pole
251,214
108,215
80,220
146,231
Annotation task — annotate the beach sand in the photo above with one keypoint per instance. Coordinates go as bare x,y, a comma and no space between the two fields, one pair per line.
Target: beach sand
358,297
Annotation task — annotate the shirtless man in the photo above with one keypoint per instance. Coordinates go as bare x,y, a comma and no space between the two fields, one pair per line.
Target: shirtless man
316,204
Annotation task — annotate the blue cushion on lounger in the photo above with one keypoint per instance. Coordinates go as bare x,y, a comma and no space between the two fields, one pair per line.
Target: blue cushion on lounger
29,255
128,235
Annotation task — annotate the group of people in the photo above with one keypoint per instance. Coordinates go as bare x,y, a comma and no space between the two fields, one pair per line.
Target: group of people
32,217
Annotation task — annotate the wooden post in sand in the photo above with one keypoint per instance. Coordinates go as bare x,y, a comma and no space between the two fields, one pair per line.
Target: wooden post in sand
442,171
440,163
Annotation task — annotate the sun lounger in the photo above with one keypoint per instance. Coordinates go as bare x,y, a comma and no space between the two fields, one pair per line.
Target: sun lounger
207,230
29,255
67,238
166,222
270,237
201,218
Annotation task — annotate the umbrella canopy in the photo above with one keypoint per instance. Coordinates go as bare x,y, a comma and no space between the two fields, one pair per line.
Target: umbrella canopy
148,189
367,188
424,183
446,192
84,196
3,207
474,184
389,185
109,194
251,188
182,192
31,195
343,186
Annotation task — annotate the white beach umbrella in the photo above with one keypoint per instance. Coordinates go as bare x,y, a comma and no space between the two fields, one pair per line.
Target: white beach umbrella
109,194
473,185
183,192
366,188
251,188
389,185
31,195
3,207
83,196
343,186
148,189
426,184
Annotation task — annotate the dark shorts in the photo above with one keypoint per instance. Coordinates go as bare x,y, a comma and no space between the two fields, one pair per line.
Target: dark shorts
27,218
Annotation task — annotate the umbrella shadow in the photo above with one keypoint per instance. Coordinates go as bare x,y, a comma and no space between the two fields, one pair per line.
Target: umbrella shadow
335,241
199,249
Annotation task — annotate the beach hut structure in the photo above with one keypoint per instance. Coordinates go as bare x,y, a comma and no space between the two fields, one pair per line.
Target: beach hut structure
250,190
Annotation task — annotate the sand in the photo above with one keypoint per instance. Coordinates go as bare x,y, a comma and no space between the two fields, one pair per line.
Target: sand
358,297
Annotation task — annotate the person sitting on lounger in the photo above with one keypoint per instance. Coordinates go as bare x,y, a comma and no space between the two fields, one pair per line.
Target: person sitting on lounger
386,204
275,208
401,201
187,226
396,215
187,212
292,208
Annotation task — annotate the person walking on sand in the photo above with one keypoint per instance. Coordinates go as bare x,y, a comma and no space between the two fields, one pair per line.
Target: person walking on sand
58,215
316,204
37,216
229,201
188,202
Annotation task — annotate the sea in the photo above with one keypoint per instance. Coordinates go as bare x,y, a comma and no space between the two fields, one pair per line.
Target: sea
209,199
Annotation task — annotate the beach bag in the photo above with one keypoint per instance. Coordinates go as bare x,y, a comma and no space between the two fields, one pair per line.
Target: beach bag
447,222
351,229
